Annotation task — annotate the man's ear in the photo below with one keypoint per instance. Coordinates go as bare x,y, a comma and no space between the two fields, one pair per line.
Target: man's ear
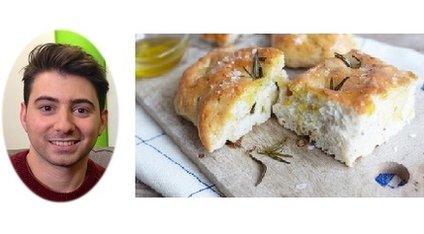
23,115
103,121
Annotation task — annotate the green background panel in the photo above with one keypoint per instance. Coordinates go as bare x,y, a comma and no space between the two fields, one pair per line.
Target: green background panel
75,39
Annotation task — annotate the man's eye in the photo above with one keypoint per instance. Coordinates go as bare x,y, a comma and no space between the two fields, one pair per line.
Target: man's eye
81,111
46,108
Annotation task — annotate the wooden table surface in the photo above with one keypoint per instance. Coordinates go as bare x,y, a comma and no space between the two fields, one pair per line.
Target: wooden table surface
413,41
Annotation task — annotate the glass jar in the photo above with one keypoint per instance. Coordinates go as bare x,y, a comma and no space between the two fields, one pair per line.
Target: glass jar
157,54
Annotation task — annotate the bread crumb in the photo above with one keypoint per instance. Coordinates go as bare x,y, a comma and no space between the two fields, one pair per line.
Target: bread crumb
301,142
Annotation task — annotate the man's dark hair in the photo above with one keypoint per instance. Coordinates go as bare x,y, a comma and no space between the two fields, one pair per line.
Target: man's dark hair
65,59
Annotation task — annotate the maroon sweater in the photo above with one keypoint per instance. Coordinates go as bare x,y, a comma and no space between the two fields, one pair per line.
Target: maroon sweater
93,174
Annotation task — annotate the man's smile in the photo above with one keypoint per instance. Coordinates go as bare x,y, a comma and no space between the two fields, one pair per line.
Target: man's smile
64,142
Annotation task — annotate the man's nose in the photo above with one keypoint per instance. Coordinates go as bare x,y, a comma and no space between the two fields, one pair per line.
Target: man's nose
64,122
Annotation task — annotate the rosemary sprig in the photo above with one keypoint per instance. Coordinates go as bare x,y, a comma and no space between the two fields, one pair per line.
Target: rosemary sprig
274,152
263,169
257,71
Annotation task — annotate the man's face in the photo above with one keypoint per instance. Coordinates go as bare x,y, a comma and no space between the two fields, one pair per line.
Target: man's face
62,118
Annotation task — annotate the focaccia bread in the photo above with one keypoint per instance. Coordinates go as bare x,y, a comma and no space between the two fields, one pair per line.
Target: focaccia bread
228,91
348,104
220,40
307,50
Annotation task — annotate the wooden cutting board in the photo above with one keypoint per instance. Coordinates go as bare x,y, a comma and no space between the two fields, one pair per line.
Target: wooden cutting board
310,172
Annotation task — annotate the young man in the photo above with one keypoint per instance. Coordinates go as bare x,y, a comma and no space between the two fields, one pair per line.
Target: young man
63,113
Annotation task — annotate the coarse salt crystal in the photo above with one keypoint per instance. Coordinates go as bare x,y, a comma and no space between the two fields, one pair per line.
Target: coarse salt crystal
412,135
235,75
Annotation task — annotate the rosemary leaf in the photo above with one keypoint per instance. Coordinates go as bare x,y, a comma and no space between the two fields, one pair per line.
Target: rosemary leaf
277,158
343,58
331,84
274,152
252,110
257,71
347,62
339,86
248,73
278,146
261,74
359,64
256,66
283,155
263,169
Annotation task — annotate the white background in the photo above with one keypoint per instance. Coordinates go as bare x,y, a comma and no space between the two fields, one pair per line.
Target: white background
111,206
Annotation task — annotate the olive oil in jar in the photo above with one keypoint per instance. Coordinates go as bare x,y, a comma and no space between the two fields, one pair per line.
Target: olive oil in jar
159,54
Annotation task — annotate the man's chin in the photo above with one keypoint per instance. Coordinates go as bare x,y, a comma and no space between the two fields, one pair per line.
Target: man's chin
64,160
63,155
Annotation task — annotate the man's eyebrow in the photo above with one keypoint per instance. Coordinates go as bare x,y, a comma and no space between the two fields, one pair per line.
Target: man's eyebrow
46,98
82,100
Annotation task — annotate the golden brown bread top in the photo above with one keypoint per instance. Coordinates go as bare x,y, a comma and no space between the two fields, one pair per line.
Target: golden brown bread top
210,87
367,77
220,39
219,76
307,50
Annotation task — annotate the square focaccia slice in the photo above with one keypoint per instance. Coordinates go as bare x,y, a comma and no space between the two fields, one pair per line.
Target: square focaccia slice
348,104
307,50
228,91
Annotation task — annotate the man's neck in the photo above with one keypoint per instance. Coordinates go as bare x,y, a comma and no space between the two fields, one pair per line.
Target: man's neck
57,178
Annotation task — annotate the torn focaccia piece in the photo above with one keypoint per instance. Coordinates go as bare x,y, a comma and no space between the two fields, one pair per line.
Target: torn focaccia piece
307,50
228,91
348,104
220,40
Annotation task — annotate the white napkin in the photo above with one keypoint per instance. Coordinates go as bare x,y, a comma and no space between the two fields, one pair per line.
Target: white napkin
161,165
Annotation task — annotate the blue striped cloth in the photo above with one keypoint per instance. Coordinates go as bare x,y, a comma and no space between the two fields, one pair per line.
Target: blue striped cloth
161,165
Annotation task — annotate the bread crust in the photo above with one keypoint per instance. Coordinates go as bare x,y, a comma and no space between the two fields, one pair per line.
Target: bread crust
307,50
373,77
221,40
